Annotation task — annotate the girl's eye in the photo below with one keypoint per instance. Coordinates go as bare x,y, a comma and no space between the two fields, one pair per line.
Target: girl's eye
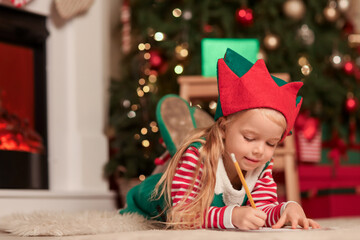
271,145
248,139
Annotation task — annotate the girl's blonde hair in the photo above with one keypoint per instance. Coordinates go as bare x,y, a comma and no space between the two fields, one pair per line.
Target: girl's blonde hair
188,214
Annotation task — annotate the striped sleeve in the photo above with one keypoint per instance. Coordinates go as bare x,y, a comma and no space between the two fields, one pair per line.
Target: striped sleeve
265,196
218,217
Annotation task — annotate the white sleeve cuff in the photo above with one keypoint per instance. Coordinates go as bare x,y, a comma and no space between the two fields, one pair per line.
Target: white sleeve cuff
284,206
228,216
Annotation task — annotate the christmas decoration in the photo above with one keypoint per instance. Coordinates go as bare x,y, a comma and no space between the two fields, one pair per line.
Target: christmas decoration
187,15
70,8
349,67
156,60
181,51
338,151
306,35
294,9
159,36
306,70
271,41
331,14
177,12
308,136
208,28
244,16
336,60
351,102
343,5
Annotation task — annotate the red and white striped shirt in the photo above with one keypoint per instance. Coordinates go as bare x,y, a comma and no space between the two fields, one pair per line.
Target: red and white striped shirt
263,192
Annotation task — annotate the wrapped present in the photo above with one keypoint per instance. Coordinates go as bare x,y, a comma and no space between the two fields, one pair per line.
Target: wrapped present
308,139
327,195
213,48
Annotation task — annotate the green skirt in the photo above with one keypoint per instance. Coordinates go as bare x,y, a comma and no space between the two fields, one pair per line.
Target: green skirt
139,200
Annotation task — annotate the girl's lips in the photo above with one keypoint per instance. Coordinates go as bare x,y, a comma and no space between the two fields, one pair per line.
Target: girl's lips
252,160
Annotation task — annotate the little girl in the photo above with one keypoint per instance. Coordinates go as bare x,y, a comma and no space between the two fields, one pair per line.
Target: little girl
200,187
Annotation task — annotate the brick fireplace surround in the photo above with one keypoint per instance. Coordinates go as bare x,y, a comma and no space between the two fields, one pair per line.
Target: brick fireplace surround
77,78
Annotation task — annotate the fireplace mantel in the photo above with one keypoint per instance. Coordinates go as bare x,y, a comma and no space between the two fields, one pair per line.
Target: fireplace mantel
77,79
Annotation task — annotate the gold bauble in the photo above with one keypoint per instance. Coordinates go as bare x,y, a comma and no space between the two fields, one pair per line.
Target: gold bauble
271,41
331,14
306,70
294,9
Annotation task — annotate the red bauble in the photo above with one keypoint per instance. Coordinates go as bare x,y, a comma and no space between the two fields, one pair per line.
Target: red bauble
349,67
155,59
352,104
244,16
208,28
310,128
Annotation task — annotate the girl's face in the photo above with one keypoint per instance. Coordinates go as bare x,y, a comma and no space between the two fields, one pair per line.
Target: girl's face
252,137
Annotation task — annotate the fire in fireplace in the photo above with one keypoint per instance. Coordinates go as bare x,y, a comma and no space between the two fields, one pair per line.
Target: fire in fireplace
23,121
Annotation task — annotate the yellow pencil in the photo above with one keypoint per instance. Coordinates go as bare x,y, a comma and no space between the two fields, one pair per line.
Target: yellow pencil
242,179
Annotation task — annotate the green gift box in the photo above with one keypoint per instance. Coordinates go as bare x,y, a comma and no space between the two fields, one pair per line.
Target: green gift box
214,48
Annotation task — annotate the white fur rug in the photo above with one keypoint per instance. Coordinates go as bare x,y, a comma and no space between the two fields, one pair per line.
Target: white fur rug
51,223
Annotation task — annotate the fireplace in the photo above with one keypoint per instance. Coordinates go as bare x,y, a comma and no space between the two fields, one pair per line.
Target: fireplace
23,116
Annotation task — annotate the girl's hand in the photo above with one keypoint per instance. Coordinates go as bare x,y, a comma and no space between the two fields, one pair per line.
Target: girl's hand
248,218
294,215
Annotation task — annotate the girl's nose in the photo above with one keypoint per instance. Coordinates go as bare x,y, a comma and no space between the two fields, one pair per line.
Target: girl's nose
258,149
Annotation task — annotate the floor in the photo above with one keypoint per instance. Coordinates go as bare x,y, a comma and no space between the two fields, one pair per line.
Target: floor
336,228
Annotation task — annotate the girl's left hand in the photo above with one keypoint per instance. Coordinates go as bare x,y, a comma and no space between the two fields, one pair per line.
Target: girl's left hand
294,214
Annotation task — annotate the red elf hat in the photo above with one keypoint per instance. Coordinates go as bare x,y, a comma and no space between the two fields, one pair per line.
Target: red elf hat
243,85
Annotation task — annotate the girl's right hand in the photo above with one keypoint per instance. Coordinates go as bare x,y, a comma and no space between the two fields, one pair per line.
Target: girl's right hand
248,218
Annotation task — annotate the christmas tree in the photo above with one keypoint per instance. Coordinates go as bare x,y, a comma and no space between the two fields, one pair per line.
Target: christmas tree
313,41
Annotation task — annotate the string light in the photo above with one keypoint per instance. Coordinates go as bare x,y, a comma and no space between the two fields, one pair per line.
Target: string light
153,124
181,51
154,129
152,78
141,47
144,131
146,89
177,12
141,81
212,105
159,36
147,71
142,177
178,69
145,143
336,59
136,136
134,107
184,52
131,114
126,103
306,70
302,61
147,56
187,15
147,46
140,93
